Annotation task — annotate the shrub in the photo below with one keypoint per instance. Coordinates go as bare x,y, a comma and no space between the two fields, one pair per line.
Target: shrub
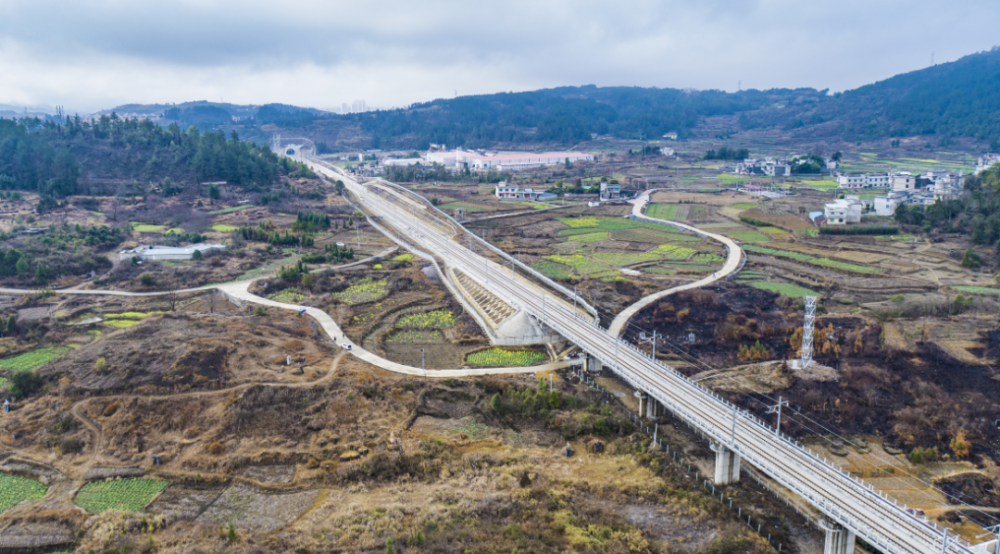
960,445
196,255
864,230
101,364
970,259
24,383
146,279
754,222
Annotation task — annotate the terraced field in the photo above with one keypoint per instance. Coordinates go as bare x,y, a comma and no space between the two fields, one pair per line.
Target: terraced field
34,359
14,490
130,495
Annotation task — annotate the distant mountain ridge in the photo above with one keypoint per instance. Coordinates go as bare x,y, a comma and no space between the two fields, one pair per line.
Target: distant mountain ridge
955,99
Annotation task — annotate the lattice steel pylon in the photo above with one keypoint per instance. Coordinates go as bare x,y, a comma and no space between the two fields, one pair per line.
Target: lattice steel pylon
807,331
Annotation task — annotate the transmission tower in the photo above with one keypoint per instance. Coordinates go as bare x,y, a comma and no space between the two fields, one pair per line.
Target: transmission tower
807,331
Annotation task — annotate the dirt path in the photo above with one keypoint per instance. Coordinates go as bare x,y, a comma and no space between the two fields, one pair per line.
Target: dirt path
95,428
733,256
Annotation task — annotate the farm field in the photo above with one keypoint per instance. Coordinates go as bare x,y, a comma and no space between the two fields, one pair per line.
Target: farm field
14,490
34,359
438,319
129,495
365,290
785,289
498,357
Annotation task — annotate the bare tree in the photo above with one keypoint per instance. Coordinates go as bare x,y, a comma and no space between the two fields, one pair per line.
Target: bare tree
172,299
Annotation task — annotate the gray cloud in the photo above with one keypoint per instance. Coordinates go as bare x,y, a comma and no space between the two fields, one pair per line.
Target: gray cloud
99,53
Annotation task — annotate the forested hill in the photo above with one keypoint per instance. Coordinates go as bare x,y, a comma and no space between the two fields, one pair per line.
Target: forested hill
566,115
960,98
54,159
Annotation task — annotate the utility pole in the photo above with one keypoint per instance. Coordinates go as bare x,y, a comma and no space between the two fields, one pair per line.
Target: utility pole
651,340
777,409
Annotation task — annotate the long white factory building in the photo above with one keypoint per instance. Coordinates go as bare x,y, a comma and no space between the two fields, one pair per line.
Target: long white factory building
503,161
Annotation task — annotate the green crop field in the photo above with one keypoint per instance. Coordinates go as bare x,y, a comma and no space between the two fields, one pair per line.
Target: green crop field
130,315
625,259
553,269
497,357
129,495
14,490
743,205
659,235
34,359
403,258
145,228
590,237
615,224
579,231
224,228
697,212
976,290
579,221
707,258
814,260
288,296
174,230
673,252
581,264
749,236
233,209
438,319
365,290
821,185
662,211
120,323
784,289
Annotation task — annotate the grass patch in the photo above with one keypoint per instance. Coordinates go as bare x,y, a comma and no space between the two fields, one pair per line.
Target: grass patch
976,290
438,319
130,315
749,236
34,359
224,228
590,237
129,495
498,357
579,231
625,259
174,230
743,205
553,270
402,258
581,264
121,323
673,252
365,290
662,211
233,209
821,185
466,207
784,289
145,228
575,222
14,490
288,296
659,235
617,224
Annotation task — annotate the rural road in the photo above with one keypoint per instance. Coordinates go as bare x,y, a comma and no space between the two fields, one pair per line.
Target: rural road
733,256
240,291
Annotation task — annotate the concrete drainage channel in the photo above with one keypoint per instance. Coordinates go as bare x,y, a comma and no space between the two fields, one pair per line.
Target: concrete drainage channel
763,529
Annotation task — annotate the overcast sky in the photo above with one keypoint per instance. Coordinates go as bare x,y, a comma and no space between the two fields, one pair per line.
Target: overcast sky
94,54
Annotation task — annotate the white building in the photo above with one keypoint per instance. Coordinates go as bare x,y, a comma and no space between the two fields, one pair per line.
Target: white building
946,186
842,211
507,161
768,167
401,162
985,161
167,252
864,181
505,191
610,191
903,181
886,205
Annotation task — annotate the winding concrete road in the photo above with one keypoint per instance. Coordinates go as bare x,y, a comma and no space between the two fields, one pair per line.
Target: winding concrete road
240,291
733,256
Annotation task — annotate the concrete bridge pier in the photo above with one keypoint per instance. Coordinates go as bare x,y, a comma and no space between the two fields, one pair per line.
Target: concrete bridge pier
727,464
643,402
838,540
593,365
652,408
